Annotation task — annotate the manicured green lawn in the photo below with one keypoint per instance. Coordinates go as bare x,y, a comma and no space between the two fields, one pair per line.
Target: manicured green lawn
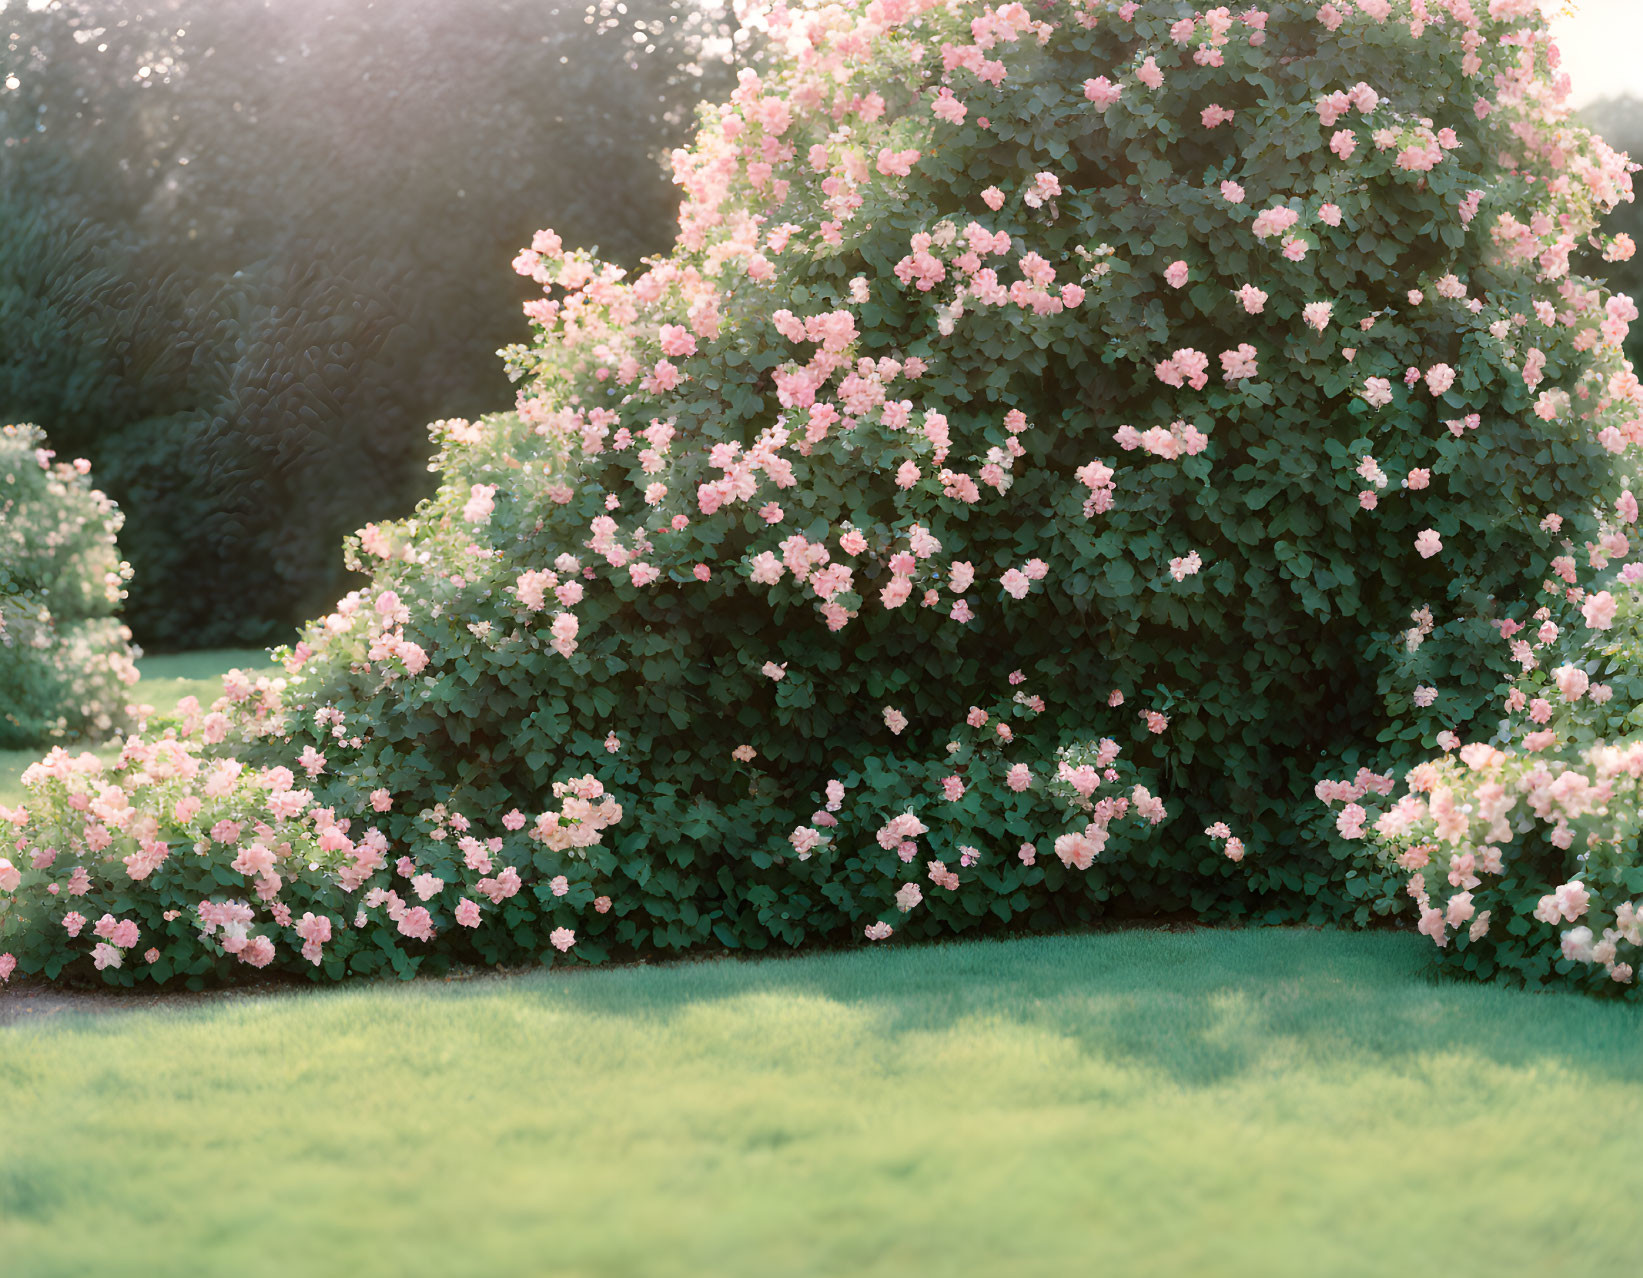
1212,1103
1209,1103
165,681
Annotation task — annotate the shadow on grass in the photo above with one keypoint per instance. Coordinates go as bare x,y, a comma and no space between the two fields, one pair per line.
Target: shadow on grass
1273,1103
1201,1007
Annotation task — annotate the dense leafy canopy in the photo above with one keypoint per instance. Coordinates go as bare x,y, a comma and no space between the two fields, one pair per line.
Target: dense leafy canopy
1059,439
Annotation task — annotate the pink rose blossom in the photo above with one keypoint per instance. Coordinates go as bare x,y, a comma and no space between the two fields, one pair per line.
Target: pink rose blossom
677,341
1599,610
1103,92
1274,221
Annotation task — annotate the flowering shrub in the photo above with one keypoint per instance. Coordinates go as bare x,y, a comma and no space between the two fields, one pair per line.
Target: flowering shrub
190,866
1007,501
1517,853
65,659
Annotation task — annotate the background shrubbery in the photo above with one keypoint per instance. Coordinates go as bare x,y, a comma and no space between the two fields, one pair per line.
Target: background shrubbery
1619,121
65,657
251,248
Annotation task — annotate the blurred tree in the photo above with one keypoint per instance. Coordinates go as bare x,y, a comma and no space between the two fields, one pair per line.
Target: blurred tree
1620,123
253,246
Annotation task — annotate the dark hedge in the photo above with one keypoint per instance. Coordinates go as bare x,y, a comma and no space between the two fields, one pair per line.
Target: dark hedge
252,248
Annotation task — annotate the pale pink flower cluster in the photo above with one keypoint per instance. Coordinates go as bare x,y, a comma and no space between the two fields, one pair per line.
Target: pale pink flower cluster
1183,566
480,505
1239,364
1178,439
1332,107
1274,221
1102,92
1185,367
1599,610
1232,847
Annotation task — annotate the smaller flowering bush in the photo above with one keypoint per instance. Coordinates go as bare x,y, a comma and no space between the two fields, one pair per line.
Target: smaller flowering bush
65,658
1517,863
175,861
1518,855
